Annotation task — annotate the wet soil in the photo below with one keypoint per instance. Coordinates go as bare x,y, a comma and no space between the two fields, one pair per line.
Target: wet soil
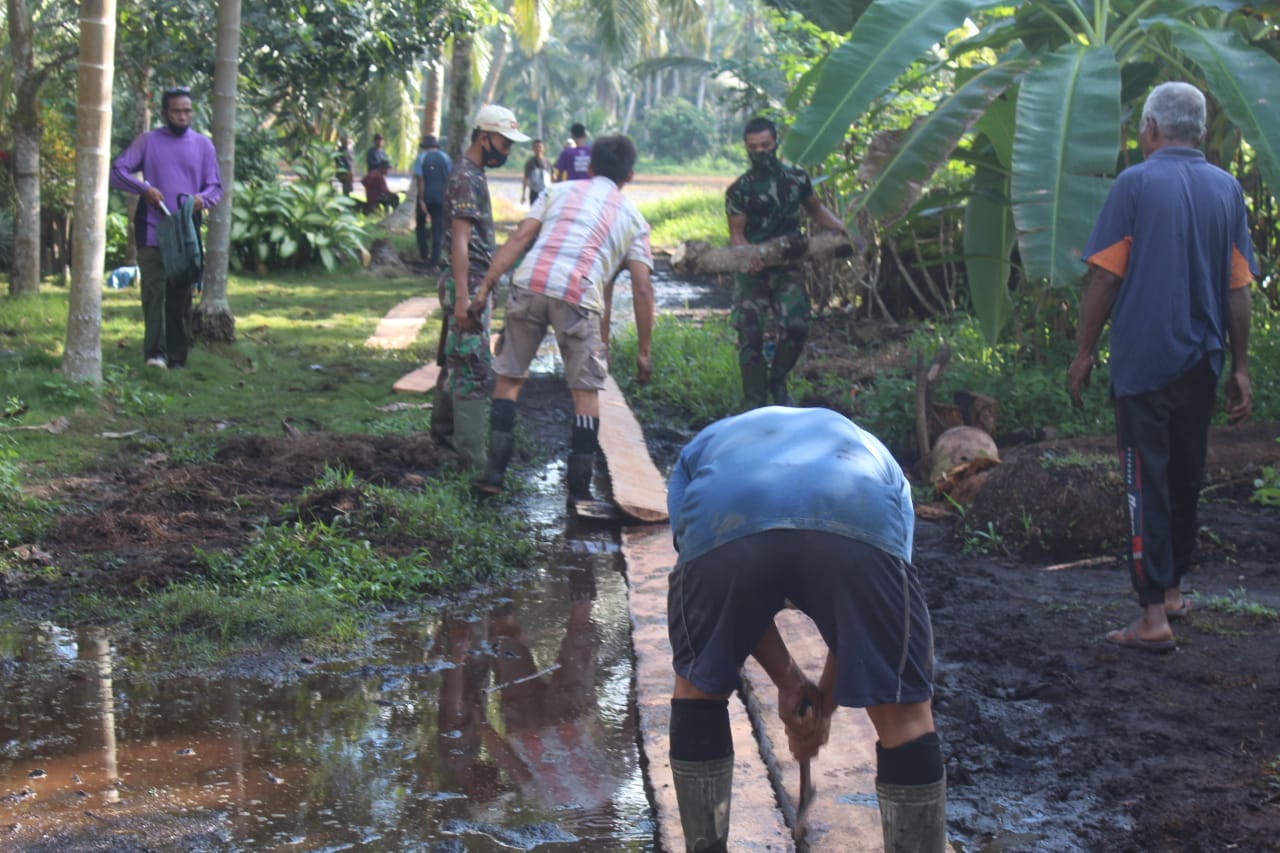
1055,740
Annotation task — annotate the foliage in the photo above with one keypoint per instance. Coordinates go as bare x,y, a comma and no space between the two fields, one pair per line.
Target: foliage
296,224
200,622
1266,488
676,130
1043,91
257,157
117,238
695,374
1237,603
460,542
687,215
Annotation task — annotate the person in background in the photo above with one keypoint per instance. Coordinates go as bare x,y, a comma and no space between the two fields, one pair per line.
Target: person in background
432,171
764,203
536,169
376,155
578,236
574,159
376,192
175,162
344,164
1170,263
470,247
835,543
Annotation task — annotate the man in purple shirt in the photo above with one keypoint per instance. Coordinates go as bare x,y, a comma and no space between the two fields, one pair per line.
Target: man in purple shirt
175,162
572,163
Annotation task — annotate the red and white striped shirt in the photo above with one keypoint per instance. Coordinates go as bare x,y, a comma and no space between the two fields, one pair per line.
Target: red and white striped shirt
589,230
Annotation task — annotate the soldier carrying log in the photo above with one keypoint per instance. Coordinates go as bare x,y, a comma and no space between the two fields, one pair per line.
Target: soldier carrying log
764,203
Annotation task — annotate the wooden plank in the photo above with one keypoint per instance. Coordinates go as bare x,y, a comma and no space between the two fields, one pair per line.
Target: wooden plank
400,327
638,489
419,381
755,822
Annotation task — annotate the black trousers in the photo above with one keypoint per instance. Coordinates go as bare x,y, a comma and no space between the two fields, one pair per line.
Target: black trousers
429,244
1163,437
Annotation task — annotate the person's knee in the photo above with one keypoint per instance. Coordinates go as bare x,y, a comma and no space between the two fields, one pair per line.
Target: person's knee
917,762
699,730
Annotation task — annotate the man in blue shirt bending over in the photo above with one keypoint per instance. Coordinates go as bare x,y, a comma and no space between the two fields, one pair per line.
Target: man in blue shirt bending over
783,505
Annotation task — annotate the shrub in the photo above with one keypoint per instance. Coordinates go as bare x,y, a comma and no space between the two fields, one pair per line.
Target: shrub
676,130
296,224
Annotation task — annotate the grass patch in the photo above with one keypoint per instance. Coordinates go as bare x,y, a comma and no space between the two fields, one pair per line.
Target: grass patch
687,215
1237,603
696,372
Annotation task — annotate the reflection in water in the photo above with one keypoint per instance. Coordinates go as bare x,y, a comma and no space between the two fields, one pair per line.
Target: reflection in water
503,724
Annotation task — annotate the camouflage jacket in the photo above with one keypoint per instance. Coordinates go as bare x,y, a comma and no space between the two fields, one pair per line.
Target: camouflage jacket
466,196
772,203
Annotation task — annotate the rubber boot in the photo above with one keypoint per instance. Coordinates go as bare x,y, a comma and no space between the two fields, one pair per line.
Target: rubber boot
581,467
442,417
913,817
704,790
470,424
501,446
778,388
755,384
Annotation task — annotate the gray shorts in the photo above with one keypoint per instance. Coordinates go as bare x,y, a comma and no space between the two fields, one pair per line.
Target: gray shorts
867,604
577,331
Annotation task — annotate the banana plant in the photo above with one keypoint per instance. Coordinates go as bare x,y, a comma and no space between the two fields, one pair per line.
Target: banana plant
1045,87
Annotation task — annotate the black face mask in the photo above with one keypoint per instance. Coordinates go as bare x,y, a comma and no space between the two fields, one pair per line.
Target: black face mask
492,157
765,161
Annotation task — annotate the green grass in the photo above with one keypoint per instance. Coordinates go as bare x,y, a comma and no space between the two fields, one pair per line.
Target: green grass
1237,603
687,215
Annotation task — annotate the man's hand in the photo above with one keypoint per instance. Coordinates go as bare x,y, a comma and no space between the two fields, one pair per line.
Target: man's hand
807,718
1078,377
197,203
644,369
1239,397
153,196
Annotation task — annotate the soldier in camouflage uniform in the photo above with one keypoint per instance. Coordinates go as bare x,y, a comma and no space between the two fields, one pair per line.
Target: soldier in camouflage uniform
462,395
766,202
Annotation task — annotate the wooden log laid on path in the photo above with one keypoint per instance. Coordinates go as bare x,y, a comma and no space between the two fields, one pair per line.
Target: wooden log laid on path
696,257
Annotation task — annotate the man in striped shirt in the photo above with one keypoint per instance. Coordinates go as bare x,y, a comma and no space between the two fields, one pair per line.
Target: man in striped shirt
582,234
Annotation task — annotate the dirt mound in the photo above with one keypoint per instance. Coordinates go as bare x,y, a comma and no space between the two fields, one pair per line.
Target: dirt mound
1042,503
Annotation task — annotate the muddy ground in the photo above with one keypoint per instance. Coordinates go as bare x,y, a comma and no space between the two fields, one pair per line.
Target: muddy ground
1054,739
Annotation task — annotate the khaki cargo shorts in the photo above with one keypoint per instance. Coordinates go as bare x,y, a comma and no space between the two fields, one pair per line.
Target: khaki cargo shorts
582,350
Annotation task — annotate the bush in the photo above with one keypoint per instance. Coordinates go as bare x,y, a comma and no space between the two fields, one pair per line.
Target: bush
257,157
676,130
275,226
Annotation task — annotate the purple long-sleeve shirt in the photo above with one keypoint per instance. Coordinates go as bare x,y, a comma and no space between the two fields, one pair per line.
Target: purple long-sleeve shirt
177,165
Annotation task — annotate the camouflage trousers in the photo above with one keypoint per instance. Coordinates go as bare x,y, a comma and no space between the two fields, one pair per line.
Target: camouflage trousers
466,354
757,296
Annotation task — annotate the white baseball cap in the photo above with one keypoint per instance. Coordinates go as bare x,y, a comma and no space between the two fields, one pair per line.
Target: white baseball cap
500,120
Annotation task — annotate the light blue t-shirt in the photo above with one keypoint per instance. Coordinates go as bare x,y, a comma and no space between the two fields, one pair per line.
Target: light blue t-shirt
786,468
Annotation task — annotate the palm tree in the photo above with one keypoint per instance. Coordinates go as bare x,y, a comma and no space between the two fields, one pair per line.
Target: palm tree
82,361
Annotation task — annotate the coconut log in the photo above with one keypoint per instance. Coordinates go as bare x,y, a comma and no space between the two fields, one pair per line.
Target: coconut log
697,257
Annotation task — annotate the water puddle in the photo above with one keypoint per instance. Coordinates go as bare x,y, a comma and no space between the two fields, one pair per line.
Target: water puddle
505,723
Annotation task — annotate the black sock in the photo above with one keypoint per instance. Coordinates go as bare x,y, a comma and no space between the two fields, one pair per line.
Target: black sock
700,730
502,415
585,430
916,762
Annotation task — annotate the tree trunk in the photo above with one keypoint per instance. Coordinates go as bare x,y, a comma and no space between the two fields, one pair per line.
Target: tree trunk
495,68
24,277
694,257
460,96
82,360
433,86
213,320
